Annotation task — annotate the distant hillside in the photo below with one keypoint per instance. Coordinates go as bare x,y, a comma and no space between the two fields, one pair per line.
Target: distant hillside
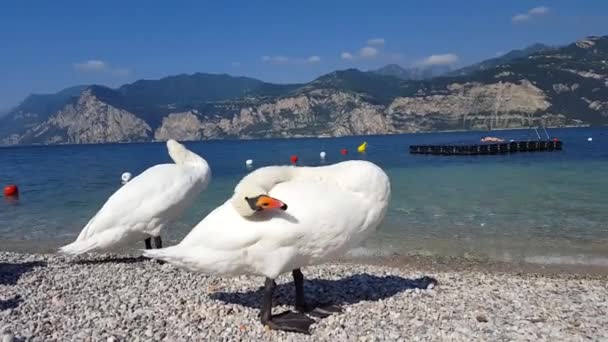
196,88
36,108
508,57
379,88
538,85
415,73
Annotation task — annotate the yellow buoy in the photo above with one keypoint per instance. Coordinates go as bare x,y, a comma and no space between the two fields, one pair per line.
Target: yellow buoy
362,147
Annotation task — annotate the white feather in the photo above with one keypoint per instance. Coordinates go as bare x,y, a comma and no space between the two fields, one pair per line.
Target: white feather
144,206
331,209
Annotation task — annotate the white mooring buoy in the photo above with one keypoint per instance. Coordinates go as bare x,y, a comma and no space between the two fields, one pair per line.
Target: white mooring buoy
125,177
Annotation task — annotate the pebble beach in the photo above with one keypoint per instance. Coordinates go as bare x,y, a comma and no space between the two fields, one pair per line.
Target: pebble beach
108,297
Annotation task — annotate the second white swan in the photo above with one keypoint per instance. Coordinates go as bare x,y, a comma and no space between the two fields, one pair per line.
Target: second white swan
142,207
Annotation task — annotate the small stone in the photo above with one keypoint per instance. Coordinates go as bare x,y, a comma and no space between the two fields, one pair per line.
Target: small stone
481,318
536,320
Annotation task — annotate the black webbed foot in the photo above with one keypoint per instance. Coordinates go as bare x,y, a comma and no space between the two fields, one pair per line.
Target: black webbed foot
291,321
320,310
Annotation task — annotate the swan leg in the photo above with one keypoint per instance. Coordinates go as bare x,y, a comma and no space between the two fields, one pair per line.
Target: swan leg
148,242
286,321
321,310
158,243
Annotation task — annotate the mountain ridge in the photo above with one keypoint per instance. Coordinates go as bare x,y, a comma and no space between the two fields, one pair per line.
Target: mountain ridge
543,85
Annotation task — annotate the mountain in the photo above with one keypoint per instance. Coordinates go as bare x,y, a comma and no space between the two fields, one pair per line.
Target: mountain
377,88
416,73
431,71
509,56
554,87
36,108
196,88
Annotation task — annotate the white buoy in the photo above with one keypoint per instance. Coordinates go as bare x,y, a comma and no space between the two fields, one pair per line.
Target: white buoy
126,177
590,139
248,162
322,155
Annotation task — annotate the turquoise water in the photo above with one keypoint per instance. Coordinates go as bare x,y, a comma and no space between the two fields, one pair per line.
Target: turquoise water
540,207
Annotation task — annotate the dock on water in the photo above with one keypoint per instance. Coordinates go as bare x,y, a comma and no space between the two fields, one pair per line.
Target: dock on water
488,148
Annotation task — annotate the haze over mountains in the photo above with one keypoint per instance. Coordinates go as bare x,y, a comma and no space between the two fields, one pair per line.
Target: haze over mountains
554,86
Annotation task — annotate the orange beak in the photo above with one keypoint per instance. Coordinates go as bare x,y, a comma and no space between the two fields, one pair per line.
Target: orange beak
266,202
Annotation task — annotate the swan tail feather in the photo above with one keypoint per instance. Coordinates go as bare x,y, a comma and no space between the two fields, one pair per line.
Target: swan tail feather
101,240
79,247
168,254
200,260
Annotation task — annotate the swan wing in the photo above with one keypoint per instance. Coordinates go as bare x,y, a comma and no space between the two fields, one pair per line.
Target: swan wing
317,211
322,222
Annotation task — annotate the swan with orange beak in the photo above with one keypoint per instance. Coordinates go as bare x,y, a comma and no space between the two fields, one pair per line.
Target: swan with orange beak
332,209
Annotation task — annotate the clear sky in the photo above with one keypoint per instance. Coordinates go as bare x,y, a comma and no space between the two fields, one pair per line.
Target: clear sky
49,45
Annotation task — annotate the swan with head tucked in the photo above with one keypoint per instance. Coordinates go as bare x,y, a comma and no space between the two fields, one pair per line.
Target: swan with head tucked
283,218
143,206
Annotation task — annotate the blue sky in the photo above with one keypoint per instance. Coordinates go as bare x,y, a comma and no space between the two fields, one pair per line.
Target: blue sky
50,45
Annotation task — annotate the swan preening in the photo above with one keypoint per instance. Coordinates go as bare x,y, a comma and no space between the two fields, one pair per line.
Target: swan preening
326,211
143,206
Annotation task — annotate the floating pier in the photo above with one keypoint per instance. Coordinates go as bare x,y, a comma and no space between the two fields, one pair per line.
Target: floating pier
489,148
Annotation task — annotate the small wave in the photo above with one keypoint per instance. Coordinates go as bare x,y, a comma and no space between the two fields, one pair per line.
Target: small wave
363,252
567,260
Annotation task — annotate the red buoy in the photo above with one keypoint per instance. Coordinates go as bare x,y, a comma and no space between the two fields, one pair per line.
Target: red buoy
11,190
294,159
555,139
344,151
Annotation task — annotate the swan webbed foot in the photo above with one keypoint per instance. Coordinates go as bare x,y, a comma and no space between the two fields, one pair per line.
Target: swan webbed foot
286,321
319,310
290,321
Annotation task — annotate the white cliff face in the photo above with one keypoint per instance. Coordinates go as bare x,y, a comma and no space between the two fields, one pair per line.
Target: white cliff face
325,112
470,98
471,105
184,126
314,113
564,88
600,106
89,120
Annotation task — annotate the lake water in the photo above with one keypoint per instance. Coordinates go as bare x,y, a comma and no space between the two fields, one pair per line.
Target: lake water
547,207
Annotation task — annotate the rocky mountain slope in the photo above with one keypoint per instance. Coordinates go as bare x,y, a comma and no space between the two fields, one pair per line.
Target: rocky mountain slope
414,73
554,87
506,58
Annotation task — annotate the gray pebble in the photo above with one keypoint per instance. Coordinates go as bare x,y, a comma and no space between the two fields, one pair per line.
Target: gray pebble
61,299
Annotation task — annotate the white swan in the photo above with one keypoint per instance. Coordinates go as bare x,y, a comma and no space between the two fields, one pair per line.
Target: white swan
141,208
327,211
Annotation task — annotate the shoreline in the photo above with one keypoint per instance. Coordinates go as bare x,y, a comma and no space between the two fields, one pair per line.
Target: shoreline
113,297
305,136
395,260
450,264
